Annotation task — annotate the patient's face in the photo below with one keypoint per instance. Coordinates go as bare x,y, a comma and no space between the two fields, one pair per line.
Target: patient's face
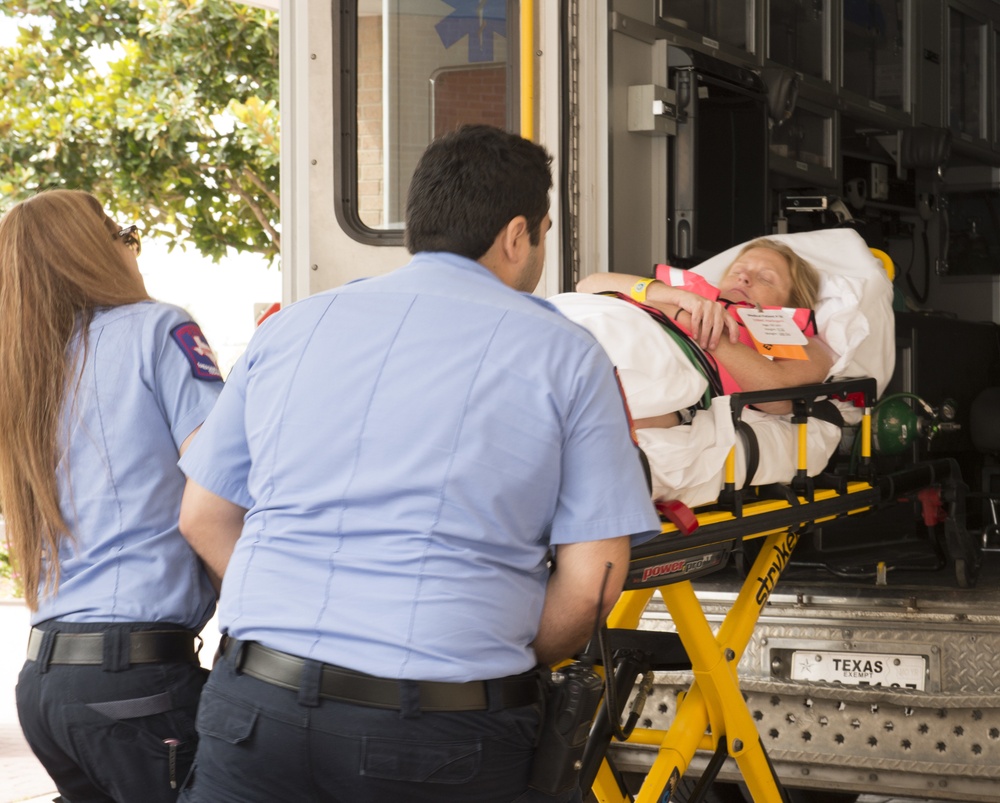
760,276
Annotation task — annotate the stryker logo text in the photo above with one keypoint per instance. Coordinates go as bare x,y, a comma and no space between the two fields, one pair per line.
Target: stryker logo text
780,553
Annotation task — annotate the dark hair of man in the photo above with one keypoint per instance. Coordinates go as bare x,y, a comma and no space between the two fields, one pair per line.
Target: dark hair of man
471,183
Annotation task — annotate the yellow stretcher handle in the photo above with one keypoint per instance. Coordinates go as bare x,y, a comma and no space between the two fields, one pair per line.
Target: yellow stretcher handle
887,263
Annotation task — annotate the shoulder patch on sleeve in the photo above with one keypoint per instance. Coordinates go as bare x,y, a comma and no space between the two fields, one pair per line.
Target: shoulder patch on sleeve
197,351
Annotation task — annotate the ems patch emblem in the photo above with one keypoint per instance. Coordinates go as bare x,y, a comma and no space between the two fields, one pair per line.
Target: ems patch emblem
195,347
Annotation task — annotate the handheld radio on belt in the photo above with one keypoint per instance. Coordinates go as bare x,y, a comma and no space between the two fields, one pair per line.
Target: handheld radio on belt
573,694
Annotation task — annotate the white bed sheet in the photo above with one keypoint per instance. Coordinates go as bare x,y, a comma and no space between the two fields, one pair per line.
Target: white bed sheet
853,316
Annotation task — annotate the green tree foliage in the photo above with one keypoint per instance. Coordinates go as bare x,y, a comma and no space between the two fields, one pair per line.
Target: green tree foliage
165,109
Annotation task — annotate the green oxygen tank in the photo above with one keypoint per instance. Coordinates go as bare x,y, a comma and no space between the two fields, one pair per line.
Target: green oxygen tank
894,427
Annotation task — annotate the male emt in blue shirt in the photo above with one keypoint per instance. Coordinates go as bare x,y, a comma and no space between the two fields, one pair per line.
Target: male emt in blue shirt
382,482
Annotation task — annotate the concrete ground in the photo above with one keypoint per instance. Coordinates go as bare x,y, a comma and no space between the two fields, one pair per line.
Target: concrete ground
22,779
21,776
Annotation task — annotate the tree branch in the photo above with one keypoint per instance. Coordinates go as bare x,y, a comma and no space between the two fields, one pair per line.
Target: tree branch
254,207
254,179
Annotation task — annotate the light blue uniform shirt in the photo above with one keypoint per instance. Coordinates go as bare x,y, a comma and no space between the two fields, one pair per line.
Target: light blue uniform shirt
148,381
408,447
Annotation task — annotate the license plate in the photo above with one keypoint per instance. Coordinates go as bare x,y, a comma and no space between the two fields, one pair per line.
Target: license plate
860,668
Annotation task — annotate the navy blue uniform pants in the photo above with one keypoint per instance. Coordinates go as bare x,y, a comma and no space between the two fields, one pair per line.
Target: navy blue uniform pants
107,734
260,743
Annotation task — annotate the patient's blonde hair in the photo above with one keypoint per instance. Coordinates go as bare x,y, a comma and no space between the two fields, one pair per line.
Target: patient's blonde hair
805,278
60,259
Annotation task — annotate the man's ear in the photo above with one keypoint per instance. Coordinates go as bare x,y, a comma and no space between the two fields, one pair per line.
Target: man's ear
509,251
514,239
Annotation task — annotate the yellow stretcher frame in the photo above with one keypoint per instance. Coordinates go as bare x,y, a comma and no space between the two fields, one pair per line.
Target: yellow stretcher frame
713,714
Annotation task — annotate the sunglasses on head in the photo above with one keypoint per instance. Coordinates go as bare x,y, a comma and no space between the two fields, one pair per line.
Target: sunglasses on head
130,236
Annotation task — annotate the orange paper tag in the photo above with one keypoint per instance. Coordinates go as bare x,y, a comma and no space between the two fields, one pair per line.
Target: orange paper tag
774,333
784,351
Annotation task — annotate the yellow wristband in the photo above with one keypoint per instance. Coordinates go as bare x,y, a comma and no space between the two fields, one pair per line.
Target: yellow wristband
639,289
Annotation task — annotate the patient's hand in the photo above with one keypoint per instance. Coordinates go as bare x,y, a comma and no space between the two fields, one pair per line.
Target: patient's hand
709,319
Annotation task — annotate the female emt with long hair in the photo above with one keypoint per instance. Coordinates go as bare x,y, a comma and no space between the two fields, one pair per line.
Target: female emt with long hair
101,389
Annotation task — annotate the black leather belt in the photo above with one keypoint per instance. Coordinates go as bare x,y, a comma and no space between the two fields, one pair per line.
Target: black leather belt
145,647
344,685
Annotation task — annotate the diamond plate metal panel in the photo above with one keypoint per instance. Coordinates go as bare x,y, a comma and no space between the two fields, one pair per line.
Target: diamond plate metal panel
946,734
964,649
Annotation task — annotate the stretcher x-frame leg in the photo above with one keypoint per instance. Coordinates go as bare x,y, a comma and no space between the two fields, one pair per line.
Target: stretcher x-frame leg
713,709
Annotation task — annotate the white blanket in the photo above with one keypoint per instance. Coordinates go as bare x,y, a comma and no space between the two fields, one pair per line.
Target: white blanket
853,316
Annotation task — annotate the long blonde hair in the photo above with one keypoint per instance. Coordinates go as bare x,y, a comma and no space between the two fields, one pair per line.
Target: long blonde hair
59,261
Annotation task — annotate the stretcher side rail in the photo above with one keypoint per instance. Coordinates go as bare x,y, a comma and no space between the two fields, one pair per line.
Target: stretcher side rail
805,399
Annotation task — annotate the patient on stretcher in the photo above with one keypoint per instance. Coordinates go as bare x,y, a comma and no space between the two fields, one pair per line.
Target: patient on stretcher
765,274
852,336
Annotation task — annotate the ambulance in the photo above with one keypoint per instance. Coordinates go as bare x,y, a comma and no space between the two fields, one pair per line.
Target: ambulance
679,129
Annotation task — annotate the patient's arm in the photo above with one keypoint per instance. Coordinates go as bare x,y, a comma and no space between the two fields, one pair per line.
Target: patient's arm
754,371
619,282
657,421
709,320
750,369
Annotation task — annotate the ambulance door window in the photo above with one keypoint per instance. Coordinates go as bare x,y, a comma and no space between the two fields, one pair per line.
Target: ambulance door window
423,68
